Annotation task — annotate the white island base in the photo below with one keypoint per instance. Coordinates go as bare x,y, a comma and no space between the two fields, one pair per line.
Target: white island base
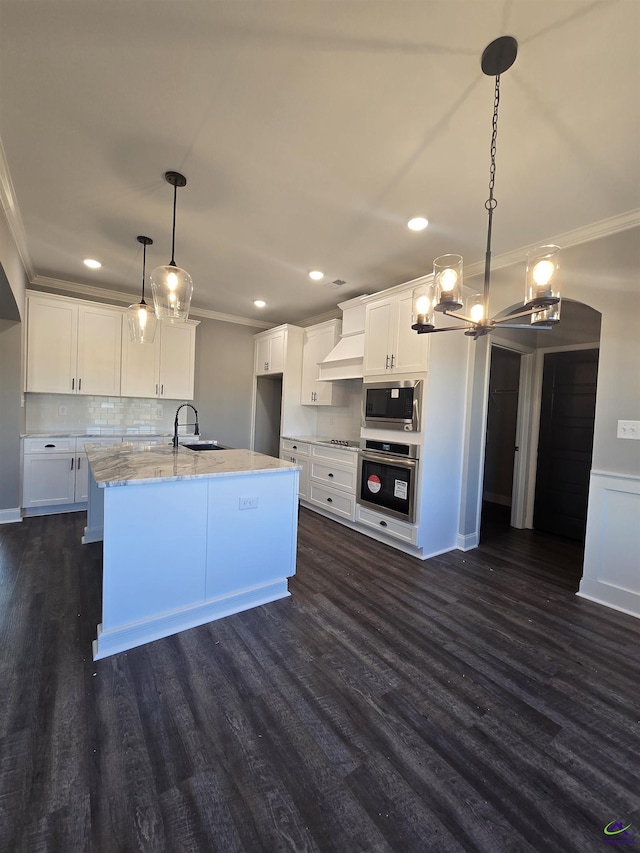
182,552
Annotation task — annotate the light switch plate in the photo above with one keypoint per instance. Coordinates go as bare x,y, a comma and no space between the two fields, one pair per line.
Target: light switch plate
248,503
629,429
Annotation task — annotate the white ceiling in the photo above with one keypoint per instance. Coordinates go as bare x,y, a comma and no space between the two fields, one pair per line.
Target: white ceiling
309,133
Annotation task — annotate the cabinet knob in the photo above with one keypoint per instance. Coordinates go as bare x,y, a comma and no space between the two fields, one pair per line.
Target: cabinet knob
295,446
49,445
383,523
330,500
330,474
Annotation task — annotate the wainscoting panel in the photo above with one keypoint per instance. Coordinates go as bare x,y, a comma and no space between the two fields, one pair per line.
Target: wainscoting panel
612,546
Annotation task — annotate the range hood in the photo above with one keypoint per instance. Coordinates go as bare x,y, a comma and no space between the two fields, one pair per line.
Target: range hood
346,358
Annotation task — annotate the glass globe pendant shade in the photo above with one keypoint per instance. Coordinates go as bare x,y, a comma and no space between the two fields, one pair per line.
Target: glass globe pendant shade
142,323
172,289
447,278
141,318
541,287
423,308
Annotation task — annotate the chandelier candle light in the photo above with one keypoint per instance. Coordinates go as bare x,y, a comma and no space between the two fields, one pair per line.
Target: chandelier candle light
142,320
444,293
172,287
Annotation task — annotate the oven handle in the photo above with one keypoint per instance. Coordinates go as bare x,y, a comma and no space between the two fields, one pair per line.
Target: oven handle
401,461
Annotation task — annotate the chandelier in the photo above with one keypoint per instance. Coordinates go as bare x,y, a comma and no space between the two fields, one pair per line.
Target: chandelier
444,294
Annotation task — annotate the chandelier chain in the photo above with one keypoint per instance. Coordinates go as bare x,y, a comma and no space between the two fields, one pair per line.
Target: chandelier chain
491,202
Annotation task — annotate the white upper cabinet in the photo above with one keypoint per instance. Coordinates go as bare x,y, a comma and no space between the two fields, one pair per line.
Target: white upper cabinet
177,361
390,344
318,342
73,347
164,368
269,352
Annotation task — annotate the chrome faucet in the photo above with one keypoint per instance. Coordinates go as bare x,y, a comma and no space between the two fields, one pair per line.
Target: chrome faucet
175,423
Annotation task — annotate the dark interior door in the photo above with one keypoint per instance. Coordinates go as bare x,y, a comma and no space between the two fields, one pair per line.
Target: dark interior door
566,442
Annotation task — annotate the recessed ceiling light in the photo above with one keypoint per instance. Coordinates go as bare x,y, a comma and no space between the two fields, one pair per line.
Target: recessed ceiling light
316,275
94,265
418,223
259,303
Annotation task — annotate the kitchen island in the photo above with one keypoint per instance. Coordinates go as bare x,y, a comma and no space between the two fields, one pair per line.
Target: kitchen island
188,537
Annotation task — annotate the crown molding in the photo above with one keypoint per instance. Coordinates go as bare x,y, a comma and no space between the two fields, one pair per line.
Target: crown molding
334,314
12,214
102,293
585,234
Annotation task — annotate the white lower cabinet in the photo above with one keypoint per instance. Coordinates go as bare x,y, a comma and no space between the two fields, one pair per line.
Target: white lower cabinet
298,453
55,471
390,526
332,480
49,473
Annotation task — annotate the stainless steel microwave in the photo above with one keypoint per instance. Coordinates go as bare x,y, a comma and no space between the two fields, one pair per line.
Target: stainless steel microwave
392,405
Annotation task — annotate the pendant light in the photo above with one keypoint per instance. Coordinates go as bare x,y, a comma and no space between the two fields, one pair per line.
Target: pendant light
171,286
142,319
541,303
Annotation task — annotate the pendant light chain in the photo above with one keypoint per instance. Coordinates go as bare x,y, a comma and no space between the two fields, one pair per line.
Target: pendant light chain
491,203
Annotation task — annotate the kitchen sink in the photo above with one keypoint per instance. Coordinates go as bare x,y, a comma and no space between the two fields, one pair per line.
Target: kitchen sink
203,445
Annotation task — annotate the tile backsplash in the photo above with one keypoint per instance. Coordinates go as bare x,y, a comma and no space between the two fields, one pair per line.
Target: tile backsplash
343,421
63,412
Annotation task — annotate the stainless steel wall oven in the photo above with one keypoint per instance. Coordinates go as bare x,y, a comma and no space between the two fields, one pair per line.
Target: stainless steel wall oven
387,477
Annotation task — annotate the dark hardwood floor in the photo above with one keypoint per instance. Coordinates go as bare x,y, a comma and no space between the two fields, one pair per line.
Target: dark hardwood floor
469,703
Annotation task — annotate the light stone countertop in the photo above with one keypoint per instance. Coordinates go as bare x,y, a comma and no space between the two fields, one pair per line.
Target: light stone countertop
131,465
316,439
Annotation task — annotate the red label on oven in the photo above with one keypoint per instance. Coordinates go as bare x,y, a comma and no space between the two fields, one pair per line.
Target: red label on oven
373,483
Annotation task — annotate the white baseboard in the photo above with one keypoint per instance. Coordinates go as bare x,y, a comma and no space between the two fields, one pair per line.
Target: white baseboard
467,541
125,637
610,596
9,516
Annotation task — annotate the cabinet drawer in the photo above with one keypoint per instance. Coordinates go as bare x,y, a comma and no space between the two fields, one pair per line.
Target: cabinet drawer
49,445
337,502
297,447
335,454
334,476
391,526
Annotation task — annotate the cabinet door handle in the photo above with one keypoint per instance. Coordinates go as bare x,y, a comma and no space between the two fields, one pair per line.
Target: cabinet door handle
72,460
330,500
393,358
79,460
329,474
383,523
49,445
80,384
162,390
295,446
386,363
156,389
73,384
